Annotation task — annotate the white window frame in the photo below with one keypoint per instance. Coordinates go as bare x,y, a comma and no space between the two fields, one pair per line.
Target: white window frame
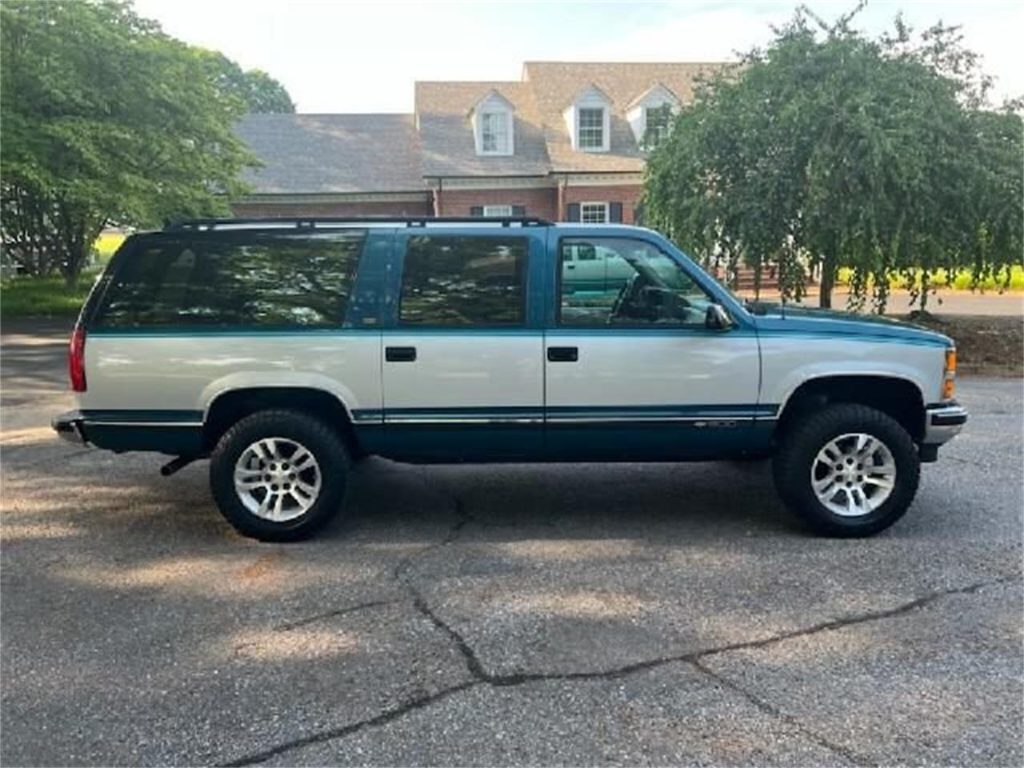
502,147
592,205
603,145
497,210
590,98
497,105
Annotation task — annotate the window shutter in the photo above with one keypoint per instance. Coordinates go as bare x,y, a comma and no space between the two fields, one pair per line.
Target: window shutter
476,210
573,212
615,213
518,210
638,214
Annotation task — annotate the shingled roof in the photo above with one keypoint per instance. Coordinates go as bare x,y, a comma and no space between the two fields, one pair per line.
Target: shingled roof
554,84
317,154
446,131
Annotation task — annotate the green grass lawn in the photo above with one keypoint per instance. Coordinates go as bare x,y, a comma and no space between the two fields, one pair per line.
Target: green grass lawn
960,280
43,296
48,296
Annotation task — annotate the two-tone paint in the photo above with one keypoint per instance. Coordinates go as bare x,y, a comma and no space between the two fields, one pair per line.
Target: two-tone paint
508,394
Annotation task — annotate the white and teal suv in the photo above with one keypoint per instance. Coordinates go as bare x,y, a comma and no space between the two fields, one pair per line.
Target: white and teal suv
284,350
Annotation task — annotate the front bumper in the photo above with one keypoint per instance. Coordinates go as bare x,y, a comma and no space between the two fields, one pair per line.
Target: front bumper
69,427
943,422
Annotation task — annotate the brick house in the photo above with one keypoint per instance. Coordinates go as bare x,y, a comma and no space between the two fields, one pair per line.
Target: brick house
566,142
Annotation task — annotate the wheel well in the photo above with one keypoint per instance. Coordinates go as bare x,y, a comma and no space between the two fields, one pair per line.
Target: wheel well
898,398
228,408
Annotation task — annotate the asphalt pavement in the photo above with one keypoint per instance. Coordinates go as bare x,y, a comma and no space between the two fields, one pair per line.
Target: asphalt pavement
521,615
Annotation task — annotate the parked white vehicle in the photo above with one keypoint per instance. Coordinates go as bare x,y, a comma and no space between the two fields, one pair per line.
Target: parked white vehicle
283,351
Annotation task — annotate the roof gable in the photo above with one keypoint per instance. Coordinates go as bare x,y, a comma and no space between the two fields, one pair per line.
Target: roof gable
655,95
591,94
494,99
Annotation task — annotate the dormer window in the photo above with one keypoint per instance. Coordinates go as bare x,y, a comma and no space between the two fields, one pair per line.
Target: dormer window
588,119
494,133
650,116
658,121
493,121
591,128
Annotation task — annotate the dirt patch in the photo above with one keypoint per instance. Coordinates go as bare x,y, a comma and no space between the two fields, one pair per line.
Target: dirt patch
262,565
989,346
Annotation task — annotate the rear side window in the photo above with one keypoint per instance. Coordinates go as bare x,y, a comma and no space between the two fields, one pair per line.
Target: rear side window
464,281
256,281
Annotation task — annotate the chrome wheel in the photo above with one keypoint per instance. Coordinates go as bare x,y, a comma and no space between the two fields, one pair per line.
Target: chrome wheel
853,474
277,479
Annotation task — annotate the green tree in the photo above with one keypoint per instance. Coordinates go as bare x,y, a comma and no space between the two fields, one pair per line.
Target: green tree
259,91
105,119
829,150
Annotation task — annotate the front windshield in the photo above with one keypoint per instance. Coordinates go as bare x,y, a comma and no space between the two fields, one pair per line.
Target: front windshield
622,281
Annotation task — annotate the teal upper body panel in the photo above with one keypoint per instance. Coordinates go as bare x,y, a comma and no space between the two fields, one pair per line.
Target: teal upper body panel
805,321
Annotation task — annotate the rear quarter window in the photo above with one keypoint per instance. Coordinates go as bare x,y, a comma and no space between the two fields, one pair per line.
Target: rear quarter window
255,281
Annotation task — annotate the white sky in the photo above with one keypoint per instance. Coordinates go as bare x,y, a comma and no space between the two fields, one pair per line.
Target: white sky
364,57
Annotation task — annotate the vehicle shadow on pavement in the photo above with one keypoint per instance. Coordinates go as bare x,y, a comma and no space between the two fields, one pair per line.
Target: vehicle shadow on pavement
387,500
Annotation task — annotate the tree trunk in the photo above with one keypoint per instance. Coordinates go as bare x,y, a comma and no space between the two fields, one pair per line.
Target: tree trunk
76,236
828,282
70,279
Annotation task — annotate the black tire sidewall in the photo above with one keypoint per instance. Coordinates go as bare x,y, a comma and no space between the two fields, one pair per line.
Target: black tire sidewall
323,442
799,449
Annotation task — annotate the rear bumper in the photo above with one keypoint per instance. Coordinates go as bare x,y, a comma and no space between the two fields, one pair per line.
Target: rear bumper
943,423
69,427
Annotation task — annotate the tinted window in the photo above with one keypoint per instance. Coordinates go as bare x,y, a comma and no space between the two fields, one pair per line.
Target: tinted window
462,281
626,282
262,281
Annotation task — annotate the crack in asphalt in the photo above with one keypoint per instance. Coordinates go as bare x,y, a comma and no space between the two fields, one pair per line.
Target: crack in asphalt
769,709
336,733
480,676
296,623
476,668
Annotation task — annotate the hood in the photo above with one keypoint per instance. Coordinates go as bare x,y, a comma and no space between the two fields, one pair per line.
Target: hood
806,321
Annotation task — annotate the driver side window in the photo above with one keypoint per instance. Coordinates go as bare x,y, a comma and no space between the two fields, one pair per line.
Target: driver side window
625,283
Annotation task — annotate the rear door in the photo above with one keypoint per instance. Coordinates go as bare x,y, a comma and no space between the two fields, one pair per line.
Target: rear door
462,368
632,370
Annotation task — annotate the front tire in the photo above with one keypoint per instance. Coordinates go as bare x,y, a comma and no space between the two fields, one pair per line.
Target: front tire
847,470
279,475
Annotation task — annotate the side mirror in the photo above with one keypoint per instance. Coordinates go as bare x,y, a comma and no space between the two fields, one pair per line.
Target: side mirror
717,319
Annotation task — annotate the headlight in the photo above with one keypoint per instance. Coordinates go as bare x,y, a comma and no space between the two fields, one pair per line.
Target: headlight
949,374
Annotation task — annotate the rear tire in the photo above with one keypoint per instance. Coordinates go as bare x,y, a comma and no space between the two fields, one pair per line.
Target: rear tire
847,470
279,475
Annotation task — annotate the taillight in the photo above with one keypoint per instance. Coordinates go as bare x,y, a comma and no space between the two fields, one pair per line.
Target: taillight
76,360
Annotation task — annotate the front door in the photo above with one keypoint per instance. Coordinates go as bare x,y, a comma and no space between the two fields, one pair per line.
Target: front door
632,370
462,368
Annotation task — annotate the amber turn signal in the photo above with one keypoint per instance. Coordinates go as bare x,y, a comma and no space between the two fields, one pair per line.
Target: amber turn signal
949,379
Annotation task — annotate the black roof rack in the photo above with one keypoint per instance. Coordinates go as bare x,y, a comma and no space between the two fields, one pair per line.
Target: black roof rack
316,222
